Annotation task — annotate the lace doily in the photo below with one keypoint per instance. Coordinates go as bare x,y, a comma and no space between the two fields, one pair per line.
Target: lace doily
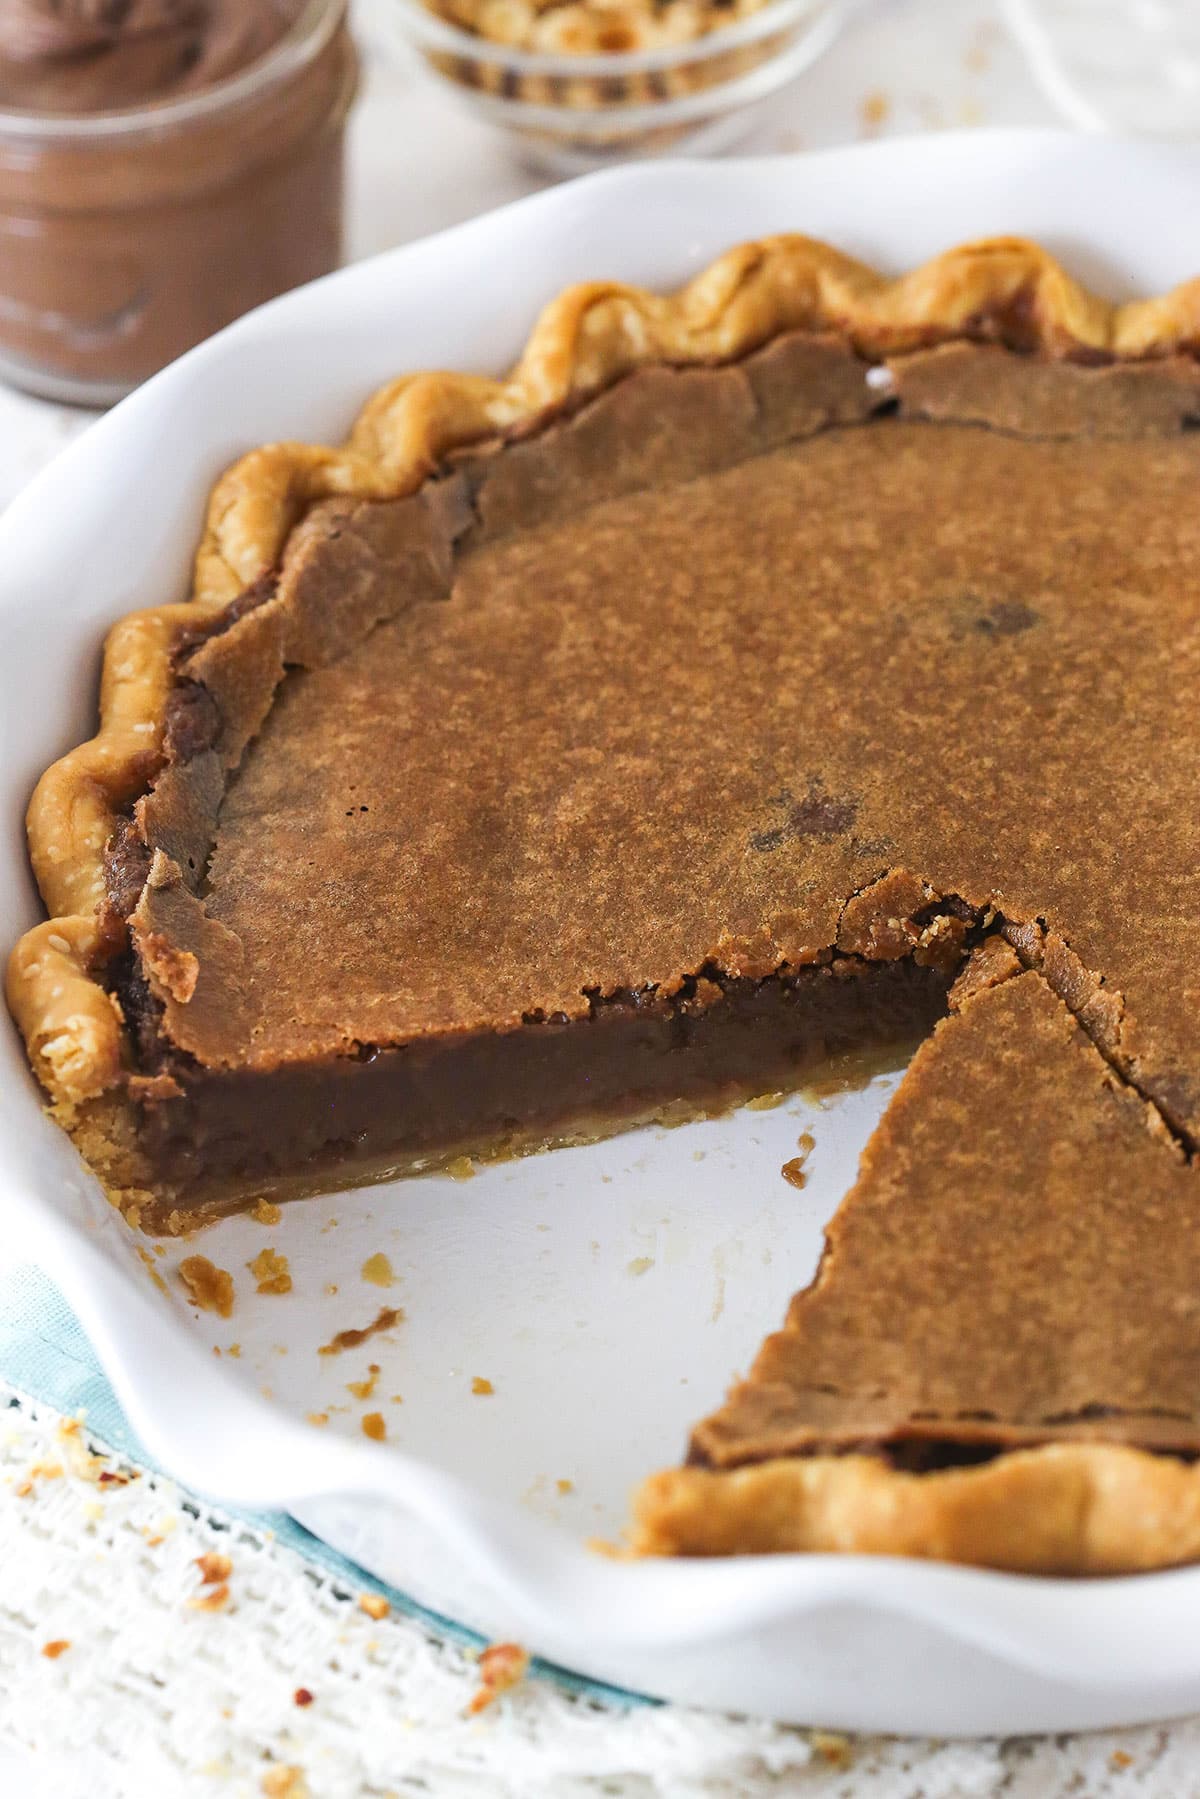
154,1648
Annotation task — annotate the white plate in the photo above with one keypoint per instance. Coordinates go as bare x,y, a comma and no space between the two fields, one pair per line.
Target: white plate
606,1293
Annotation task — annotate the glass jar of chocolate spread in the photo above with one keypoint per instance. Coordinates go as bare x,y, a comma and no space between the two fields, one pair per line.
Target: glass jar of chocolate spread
164,166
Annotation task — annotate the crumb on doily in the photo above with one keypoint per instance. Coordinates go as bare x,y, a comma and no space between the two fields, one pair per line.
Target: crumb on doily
79,1462
271,1272
214,1567
213,1599
317,1418
374,1604
56,1647
502,1666
832,1747
302,1696
373,1426
481,1386
285,1781
266,1212
209,1288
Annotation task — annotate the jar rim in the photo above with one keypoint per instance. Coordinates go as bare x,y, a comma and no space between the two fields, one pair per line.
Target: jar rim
308,35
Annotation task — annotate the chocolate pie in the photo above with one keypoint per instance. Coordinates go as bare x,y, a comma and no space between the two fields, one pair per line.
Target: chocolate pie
800,661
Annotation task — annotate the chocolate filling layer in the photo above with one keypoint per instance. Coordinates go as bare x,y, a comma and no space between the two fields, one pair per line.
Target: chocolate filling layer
378,1111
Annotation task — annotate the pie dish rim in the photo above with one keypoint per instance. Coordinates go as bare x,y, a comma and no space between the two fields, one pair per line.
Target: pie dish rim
860,1643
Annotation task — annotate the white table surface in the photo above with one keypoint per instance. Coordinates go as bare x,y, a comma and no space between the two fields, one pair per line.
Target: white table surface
418,164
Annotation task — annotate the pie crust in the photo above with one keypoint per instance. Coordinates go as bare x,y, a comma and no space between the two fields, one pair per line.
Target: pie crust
1100,1506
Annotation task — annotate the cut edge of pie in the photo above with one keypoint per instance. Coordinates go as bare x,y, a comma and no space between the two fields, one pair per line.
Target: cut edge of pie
1109,1501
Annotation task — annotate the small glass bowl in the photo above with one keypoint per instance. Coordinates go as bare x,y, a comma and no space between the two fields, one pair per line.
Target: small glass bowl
574,113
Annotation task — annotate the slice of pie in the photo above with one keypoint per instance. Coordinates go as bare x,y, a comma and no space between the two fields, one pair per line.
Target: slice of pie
791,663
1006,1318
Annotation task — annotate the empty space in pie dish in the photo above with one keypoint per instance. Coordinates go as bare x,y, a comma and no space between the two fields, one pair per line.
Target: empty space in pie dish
565,1317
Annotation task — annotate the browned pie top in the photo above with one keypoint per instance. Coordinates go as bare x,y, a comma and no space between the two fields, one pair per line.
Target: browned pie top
683,682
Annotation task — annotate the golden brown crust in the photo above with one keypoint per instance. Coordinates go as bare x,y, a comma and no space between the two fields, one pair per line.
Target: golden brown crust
1002,289
1066,1508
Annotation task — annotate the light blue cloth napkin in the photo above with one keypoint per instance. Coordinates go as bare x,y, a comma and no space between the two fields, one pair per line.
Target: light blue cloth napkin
45,1356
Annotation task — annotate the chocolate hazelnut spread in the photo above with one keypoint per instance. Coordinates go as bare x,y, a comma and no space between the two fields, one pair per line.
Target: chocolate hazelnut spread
94,55
165,165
